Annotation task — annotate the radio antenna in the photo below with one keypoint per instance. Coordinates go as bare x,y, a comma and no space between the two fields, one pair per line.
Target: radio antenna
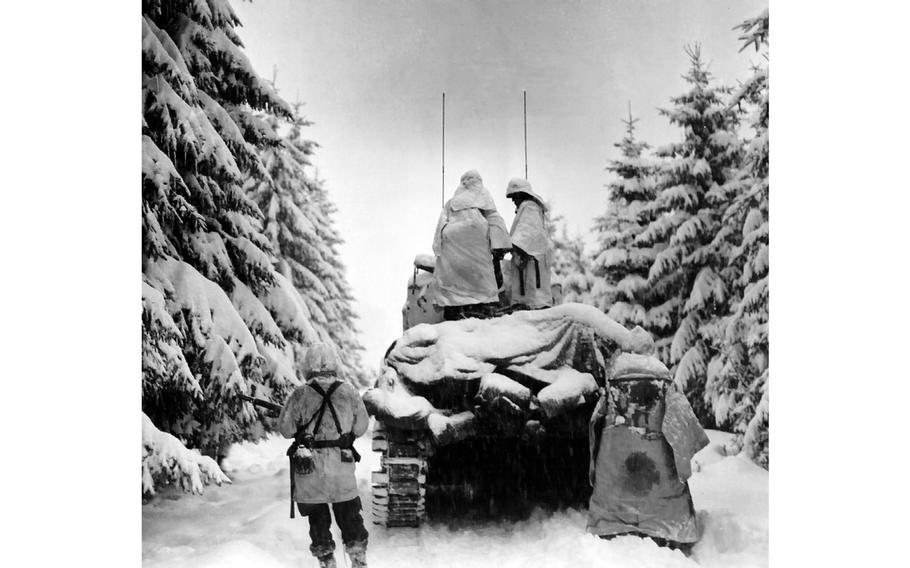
525,93
443,148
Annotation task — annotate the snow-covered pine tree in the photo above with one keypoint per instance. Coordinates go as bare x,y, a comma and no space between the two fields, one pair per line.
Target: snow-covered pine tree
738,380
218,319
298,221
570,264
344,331
620,264
689,276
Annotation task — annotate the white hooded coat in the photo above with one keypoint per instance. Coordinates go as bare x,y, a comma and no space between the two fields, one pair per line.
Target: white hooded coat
468,230
530,233
332,480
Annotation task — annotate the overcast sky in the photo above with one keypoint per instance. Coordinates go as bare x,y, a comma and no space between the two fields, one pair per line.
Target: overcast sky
371,74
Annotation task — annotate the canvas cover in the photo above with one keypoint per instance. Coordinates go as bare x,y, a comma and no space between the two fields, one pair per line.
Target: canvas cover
640,460
468,230
566,349
530,233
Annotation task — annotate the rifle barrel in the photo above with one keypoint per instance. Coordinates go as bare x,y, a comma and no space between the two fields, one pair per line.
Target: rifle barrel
260,402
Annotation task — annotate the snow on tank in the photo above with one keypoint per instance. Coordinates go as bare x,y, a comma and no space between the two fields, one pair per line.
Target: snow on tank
532,364
459,402
419,306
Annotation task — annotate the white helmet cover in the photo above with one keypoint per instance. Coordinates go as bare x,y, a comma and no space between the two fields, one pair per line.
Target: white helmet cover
320,359
518,185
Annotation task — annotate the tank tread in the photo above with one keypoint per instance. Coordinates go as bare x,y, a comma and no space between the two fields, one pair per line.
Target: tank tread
399,485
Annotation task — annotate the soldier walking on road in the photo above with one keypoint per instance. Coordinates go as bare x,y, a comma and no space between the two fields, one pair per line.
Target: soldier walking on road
324,416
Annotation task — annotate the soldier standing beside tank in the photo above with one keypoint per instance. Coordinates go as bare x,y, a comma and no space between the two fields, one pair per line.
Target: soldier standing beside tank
530,266
324,416
469,242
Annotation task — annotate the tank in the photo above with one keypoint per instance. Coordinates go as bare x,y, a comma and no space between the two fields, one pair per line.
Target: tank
490,414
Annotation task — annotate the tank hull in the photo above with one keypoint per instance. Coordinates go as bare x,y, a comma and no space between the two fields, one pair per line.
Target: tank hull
503,468
493,413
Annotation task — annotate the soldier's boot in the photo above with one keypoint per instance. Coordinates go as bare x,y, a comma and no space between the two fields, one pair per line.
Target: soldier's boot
327,561
357,550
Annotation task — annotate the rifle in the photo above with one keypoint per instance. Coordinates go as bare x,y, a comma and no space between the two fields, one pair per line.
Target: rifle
523,260
497,266
270,406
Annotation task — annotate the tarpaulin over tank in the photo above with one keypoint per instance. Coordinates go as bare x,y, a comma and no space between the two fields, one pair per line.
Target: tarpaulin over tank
640,468
538,343
562,353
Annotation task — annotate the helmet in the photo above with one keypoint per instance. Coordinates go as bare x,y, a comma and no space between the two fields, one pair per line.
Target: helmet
320,359
518,185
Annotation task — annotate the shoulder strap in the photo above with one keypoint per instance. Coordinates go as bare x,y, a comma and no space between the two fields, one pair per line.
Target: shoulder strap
331,406
326,402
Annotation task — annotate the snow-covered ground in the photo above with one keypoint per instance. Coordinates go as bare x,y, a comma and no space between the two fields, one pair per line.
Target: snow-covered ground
246,524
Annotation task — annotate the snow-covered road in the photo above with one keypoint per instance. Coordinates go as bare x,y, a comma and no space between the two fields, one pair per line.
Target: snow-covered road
246,524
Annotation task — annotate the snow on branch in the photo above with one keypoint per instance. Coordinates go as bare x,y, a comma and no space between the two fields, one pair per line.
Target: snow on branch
161,56
255,129
186,128
755,440
166,461
755,31
708,287
682,196
686,336
691,365
289,311
163,187
162,357
222,13
666,261
254,313
658,230
232,134
632,313
211,308
660,316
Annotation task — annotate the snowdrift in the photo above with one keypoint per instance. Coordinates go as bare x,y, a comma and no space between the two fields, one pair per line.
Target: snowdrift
246,524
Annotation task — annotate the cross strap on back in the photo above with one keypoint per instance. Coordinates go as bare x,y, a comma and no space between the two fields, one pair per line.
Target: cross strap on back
326,403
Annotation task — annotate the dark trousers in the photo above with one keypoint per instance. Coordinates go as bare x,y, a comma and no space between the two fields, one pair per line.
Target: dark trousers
347,515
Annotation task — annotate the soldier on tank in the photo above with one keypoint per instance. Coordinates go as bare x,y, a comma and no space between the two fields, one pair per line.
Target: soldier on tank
324,416
531,255
469,242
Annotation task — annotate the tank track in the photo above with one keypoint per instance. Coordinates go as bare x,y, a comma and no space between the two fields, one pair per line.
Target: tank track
399,492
